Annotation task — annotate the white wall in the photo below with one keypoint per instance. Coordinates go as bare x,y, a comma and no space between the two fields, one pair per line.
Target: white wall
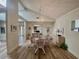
72,38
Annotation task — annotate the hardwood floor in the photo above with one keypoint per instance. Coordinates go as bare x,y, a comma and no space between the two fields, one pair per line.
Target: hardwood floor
52,52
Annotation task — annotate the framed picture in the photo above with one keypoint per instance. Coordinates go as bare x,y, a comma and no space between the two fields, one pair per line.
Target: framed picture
13,28
75,25
60,31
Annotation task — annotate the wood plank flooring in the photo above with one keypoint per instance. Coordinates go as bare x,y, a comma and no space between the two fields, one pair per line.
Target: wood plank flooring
52,52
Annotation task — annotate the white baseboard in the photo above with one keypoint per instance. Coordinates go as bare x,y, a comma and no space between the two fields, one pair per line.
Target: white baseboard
75,54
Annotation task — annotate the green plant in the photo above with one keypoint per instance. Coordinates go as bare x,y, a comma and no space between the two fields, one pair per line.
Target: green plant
64,46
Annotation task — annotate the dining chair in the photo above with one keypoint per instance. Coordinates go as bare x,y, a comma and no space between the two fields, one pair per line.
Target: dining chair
40,45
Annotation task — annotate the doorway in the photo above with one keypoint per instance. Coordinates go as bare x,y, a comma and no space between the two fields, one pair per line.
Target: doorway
21,33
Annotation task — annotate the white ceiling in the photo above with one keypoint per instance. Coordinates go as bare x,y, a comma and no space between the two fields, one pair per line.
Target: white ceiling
52,9
30,15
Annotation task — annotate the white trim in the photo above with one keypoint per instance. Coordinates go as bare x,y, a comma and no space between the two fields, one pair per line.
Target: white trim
77,55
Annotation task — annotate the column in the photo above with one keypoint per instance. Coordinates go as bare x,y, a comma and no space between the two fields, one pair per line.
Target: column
12,25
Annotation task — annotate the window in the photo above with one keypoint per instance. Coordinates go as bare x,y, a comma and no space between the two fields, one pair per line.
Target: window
2,16
3,2
2,30
77,23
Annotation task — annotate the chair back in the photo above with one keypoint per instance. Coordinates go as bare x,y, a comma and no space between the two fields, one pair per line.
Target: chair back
40,43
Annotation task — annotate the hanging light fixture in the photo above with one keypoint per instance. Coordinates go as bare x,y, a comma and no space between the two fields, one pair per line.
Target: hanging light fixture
39,17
